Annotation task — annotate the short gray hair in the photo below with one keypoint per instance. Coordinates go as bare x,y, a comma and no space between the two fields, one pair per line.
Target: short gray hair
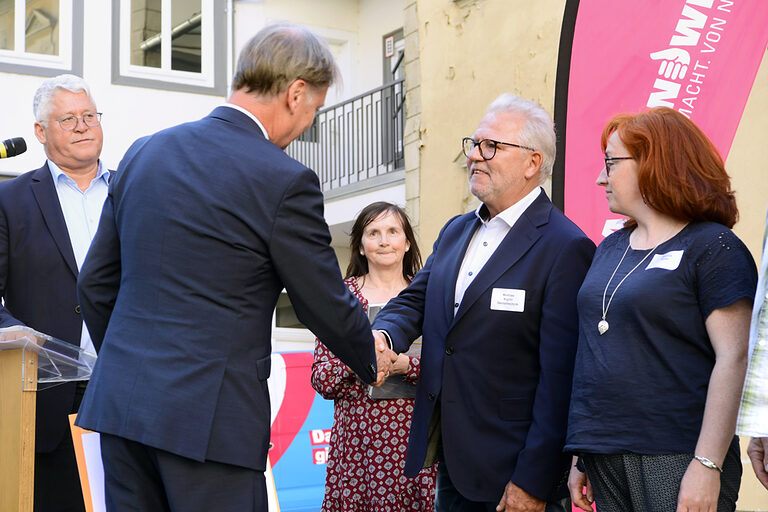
281,53
41,105
538,130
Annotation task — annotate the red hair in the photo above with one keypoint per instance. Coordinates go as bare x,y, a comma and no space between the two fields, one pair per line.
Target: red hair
679,171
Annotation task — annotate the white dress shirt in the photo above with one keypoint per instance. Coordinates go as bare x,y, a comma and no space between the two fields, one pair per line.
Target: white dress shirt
486,240
82,211
255,119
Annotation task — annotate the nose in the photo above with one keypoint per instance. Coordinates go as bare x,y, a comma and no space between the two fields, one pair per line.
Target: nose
602,178
475,155
80,125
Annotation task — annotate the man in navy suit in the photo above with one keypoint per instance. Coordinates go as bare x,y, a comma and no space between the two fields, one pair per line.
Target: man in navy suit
205,224
47,220
496,305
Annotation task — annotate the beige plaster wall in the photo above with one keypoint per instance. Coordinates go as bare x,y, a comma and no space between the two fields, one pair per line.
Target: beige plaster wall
747,164
470,52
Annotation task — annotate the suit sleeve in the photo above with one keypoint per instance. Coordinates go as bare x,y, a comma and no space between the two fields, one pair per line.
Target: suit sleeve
301,253
6,318
99,279
541,464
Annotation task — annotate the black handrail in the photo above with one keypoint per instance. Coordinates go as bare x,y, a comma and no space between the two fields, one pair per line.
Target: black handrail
357,139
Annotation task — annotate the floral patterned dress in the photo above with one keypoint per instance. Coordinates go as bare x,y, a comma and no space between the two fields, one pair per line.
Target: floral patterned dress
369,441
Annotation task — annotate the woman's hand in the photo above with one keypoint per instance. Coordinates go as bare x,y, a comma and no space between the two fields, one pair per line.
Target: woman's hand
577,481
699,489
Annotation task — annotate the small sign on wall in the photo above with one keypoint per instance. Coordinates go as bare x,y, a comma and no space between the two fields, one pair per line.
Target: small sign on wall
389,46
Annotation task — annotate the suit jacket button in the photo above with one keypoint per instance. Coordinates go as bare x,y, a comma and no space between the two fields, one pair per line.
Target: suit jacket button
431,396
77,309
449,350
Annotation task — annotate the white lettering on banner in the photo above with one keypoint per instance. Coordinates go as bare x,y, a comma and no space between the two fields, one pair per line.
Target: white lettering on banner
675,61
319,436
666,90
320,455
725,5
685,26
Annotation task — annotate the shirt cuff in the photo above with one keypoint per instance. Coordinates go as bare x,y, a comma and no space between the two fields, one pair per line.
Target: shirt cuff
388,337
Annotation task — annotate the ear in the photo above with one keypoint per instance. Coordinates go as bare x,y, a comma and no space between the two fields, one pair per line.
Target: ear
407,246
296,92
40,133
534,164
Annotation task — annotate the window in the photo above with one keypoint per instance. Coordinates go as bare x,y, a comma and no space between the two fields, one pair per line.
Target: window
287,331
171,44
41,37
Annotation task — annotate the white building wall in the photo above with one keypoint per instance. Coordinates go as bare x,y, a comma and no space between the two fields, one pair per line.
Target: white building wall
354,29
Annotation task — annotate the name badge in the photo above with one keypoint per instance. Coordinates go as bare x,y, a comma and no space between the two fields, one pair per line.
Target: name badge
508,299
668,261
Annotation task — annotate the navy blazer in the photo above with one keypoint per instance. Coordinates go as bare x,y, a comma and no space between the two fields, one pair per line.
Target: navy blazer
38,277
204,225
503,378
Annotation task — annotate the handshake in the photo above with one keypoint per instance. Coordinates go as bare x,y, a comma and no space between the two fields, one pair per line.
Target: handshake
387,361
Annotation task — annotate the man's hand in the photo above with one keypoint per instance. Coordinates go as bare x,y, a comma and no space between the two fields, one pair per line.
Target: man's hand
516,499
757,450
577,482
384,358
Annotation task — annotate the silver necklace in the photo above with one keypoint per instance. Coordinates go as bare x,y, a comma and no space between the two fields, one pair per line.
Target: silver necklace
602,325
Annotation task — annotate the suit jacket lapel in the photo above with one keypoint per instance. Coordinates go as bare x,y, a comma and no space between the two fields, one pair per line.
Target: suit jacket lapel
48,201
520,238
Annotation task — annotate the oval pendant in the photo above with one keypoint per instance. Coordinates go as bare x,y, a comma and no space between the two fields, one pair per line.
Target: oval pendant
602,326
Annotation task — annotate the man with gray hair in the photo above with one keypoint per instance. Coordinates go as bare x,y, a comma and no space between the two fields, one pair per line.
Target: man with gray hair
496,306
49,217
205,224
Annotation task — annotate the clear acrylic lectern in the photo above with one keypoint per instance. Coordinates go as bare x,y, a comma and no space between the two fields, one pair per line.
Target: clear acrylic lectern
29,361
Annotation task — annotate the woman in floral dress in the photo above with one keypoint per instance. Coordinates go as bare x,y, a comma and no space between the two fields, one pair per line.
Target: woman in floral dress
369,439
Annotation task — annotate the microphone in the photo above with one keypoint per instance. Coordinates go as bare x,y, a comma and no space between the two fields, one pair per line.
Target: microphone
12,147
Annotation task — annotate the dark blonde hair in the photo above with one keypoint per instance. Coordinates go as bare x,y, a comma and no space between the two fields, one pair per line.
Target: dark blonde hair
358,264
679,171
281,53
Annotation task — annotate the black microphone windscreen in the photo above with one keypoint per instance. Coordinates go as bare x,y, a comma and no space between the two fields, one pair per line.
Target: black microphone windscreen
12,147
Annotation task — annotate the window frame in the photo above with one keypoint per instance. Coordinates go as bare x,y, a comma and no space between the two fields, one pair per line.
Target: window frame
70,58
213,76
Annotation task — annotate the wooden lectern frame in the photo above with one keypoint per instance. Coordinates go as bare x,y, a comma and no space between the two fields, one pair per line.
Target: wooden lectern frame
18,384
29,360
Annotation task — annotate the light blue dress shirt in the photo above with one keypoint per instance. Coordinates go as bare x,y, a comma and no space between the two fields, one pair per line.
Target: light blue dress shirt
82,210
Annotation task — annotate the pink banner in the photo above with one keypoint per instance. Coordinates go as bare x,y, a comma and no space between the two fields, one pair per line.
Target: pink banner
699,57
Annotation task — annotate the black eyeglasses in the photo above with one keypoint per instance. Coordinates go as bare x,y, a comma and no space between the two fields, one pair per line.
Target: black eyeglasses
69,123
487,147
609,159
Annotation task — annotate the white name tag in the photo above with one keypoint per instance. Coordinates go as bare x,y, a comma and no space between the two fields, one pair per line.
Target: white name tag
668,261
508,299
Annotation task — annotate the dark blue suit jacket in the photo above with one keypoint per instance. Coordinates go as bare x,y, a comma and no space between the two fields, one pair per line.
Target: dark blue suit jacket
503,378
204,225
38,277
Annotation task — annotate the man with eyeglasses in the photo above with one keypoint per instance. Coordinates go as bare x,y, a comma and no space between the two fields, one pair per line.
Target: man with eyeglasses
48,218
496,306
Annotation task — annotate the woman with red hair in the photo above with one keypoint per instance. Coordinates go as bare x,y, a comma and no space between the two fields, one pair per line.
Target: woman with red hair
664,318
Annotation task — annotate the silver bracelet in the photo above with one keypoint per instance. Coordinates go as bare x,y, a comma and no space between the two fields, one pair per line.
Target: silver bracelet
707,463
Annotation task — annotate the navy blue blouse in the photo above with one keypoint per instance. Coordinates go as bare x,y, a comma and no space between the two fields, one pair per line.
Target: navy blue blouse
641,387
